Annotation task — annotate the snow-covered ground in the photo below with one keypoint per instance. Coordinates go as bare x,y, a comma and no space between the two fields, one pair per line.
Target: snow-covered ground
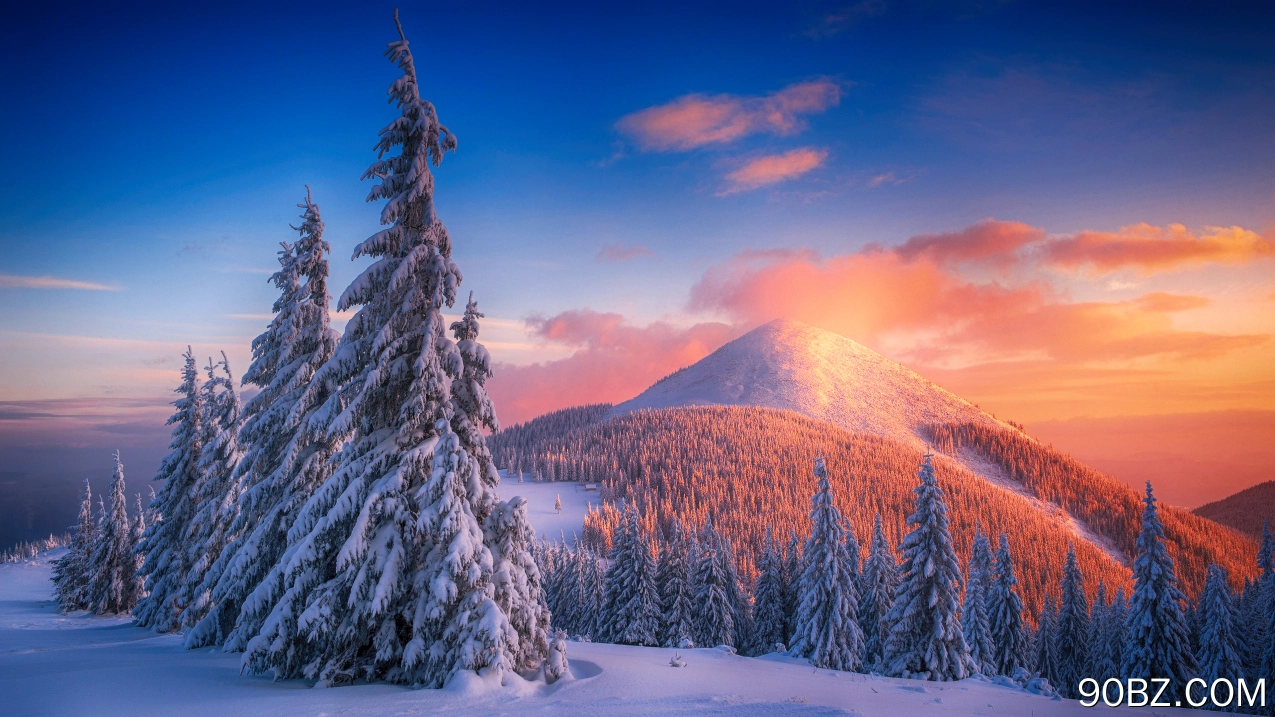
540,501
52,664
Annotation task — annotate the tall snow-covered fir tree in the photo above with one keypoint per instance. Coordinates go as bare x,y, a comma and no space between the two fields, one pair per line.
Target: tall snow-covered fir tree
1072,636
72,572
1117,631
1104,659
1220,643
1005,614
768,599
216,494
167,562
974,622
925,627
676,598
284,459
1157,628
792,580
618,585
1046,642
518,590
828,629
392,578
112,582
138,530
714,613
880,580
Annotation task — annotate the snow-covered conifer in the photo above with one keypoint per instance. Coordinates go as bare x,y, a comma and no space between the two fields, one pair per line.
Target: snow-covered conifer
112,584
880,580
714,614
167,563
828,629
768,599
138,530
1046,642
792,585
1005,614
925,629
391,576
73,571
1220,644
284,459
1117,632
556,665
1102,663
217,495
617,590
675,591
516,580
974,622
642,624
1072,636
1157,627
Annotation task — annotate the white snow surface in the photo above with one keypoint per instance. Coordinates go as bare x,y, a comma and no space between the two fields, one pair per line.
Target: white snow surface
76,664
826,376
540,497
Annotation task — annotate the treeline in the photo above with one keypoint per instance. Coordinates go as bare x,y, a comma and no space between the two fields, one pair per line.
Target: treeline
28,549
914,613
1106,506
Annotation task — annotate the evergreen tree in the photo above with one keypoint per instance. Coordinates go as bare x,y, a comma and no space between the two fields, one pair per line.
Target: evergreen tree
138,530
516,581
216,493
617,590
112,584
167,562
1117,633
974,621
675,591
714,618
768,599
393,577
1046,642
643,623
1072,636
1103,662
1157,628
73,571
925,635
792,585
285,459
880,580
1220,643
828,629
1005,614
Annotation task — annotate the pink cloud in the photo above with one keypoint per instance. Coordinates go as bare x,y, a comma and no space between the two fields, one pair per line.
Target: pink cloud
697,120
774,168
623,252
15,281
1147,249
989,241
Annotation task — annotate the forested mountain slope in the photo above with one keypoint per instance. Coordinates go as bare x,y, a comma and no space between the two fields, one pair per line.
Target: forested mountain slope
1246,511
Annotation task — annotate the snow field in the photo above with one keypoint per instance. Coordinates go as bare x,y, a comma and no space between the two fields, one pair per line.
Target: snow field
546,521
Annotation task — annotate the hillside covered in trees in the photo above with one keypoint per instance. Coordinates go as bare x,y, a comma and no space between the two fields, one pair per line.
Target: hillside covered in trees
1246,511
747,469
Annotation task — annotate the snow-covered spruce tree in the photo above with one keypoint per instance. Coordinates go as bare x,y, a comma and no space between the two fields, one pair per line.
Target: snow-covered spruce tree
1220,645
1046,642
112,584
516,580
284,459
138,528
925,638
714,614
72,571
1072,636
828,629
1117,633
792,583
974,622
768,599
740,606
392,577
676,598
167,562
642,624
880,580
618,587
1005,614
217,495
1101,663
1157,627
556,665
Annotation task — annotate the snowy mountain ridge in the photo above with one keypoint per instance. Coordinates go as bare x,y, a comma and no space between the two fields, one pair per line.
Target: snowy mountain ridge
792,366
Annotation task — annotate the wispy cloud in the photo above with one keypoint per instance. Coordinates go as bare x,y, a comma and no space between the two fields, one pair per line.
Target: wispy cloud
774,168
16,281
698,120
834,22
623,252
889,179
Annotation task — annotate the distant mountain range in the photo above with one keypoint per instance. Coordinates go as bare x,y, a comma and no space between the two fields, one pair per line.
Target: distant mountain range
734,437
1246,511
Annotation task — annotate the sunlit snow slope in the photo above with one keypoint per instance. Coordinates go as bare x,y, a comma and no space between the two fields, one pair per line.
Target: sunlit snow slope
792,366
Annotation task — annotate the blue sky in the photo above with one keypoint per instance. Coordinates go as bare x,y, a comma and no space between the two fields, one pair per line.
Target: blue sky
160,151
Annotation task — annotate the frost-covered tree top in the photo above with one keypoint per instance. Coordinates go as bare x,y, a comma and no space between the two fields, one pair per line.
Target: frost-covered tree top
112,583
1158,640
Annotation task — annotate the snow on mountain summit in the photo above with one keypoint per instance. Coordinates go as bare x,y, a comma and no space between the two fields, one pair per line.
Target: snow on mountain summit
793,366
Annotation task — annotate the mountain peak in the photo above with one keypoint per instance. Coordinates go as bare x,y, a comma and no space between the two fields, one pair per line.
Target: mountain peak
793,366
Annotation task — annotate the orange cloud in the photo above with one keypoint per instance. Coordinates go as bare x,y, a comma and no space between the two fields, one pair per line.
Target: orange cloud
1147,248
697,120
623,252
614,360
989,240
774,168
